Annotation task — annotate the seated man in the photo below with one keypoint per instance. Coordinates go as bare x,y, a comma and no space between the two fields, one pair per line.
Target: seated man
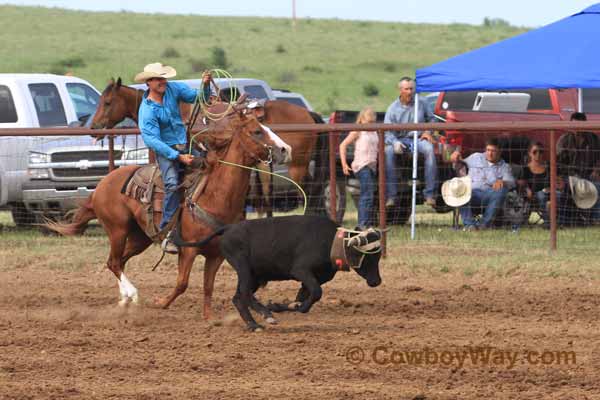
399,112
491,180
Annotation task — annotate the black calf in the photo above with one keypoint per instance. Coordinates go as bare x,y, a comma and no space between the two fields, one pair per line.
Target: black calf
286,248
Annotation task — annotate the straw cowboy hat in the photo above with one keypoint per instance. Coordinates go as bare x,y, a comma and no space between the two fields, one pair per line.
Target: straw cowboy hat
155,70
583,191
457,191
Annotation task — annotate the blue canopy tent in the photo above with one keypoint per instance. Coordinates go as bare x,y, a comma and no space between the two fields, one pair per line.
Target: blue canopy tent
563,54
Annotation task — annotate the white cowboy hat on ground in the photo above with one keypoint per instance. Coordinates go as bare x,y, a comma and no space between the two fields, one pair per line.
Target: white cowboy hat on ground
583,191
155,70
457,191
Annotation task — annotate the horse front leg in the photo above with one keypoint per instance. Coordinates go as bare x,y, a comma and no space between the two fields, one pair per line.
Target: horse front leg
211,266
266,183
186,260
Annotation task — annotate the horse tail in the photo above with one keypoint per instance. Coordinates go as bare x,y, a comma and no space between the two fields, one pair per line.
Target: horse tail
79,223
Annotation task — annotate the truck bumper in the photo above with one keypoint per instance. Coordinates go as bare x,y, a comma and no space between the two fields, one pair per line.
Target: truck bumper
53,201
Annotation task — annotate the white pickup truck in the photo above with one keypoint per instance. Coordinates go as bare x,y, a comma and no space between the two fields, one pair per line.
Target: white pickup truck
35,101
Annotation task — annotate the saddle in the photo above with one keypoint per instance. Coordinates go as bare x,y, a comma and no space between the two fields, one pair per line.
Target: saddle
146,186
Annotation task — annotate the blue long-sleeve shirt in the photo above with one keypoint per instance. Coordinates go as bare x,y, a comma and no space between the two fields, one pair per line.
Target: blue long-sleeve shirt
398,113
483,173
161,124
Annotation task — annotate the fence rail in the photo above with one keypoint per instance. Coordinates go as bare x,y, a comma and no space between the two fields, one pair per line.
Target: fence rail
334,130
447,126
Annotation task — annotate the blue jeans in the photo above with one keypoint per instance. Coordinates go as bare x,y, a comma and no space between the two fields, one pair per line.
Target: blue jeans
169,171
391,176
488,199
366,177
542,198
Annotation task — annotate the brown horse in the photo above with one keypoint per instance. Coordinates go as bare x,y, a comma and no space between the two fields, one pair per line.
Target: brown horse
237,139
119,102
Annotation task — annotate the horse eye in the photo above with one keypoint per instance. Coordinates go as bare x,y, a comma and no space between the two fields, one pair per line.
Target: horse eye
257,132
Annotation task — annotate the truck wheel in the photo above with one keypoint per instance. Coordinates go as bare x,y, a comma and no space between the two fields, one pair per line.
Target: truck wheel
340,195
21,216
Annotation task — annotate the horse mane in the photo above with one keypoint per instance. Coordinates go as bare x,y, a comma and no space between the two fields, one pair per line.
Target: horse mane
110,86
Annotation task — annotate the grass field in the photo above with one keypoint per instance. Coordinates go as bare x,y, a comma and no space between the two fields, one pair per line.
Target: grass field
329,61
437,250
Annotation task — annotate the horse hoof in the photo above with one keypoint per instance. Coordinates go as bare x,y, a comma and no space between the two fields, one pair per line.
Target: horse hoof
135,300
258,329
271,320
123,302
161,302
294,306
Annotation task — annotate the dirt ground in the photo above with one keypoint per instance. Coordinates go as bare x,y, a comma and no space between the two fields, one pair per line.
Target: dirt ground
62,336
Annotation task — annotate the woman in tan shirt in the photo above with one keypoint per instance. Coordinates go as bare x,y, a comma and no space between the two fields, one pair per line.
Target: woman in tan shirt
364,164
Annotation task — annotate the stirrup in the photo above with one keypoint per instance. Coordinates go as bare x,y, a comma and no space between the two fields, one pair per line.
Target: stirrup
168,246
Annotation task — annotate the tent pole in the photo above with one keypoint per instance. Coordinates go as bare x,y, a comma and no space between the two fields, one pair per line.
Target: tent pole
553,179
414,172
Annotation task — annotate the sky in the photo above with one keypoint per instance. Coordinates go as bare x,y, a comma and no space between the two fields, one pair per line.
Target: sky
529,13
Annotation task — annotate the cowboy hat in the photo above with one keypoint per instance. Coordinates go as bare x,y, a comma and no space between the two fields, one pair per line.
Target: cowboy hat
583,191
155,70
456,192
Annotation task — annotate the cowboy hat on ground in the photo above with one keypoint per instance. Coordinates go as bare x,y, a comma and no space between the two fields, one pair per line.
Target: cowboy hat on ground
456,192
584,192
155,70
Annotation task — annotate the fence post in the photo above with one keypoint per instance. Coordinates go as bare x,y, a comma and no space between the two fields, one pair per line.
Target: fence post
553,205
332,175
111,153
381,183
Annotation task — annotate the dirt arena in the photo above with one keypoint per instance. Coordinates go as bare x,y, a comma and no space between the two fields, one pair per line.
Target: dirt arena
62,336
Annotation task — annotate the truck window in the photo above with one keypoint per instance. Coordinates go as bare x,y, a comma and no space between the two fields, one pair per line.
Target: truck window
48,104
8,112
591,101
294,100
255,91
463,101
84,98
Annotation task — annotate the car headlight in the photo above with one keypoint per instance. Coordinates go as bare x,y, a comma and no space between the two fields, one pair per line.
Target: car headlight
38,158
137,154
38,173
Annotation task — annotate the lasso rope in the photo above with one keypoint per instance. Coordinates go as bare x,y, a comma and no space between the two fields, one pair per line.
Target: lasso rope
205,103
271,173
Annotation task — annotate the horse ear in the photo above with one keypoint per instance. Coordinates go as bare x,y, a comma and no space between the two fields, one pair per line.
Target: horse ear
119,82
111,81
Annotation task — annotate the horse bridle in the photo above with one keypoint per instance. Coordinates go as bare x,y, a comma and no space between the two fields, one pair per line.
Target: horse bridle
269,148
